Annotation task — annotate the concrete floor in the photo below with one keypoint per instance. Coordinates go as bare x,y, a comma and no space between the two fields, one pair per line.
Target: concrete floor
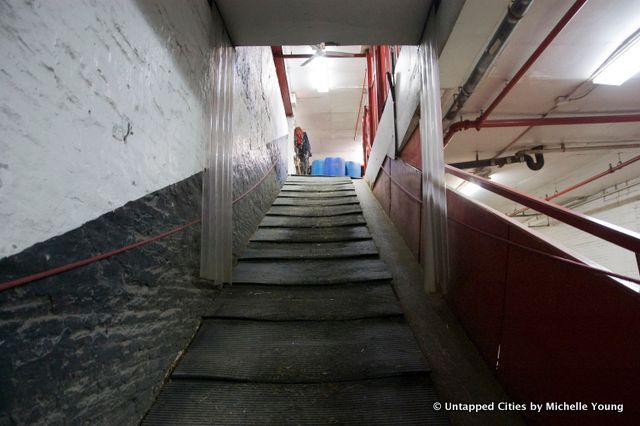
459,372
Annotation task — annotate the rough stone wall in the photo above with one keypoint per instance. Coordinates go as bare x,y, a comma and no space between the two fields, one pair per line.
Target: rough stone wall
102,102
92,346
260,133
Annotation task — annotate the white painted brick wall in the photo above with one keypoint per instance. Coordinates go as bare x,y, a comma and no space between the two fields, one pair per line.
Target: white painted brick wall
76,75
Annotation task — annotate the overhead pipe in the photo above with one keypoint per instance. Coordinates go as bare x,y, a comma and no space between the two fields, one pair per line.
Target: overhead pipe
584,182
535,122
515,12
519,157
479,122
562,148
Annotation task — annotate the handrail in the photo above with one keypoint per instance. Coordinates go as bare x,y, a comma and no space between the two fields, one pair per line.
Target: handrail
612,233
580,265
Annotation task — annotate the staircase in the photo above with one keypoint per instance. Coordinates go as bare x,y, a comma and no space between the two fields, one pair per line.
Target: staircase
310,332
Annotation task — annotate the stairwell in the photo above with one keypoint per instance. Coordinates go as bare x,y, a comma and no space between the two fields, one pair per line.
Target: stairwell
310,332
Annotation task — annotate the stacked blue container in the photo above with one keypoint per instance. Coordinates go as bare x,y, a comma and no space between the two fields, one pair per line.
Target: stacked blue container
317,168
334,166
354,169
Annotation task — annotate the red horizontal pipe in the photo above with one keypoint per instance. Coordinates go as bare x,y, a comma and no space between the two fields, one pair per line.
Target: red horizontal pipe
566,18
612,233
535,122
326,55
584,182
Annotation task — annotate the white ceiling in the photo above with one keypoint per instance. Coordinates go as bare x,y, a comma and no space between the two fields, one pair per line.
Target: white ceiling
569,61
329,118
344,22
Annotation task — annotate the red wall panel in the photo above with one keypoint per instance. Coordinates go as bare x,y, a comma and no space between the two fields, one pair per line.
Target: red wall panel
405,210
478,273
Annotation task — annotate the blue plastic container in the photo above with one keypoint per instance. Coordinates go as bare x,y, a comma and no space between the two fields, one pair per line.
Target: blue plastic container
328,164
354,169
317,168
338,167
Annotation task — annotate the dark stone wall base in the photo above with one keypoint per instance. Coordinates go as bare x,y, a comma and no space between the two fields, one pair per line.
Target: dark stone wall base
92,346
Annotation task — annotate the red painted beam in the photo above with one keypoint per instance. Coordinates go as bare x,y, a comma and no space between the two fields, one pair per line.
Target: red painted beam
534,122
326,55
614,234
281,72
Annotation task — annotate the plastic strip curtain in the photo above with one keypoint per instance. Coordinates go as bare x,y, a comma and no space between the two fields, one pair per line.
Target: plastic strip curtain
217,225
434,202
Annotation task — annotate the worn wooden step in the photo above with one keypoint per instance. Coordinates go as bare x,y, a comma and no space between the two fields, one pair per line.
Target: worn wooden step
313,211
315,180
277,303
395,401
297,250
312,235
312,222
334,201
310,272
317,188
317,194
302,351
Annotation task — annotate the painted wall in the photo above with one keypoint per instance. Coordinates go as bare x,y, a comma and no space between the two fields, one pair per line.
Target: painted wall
102,103
620,208
260,133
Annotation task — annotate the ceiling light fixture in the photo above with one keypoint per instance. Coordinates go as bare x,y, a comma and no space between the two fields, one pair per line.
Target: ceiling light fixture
622,64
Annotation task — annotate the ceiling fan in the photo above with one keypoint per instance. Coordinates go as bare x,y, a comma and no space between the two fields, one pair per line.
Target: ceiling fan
320,50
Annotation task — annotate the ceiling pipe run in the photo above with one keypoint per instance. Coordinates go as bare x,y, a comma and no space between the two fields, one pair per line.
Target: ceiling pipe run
515,12
479,122
519,157
534,122
584,182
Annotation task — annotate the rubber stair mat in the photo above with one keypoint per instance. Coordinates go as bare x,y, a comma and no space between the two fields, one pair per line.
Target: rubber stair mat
312,222
393,401
301,351
287,201
280,303
318,180
332,250
313,211
312,235
310,272
317,194
317,188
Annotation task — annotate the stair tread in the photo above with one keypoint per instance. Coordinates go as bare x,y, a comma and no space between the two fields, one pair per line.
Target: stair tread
317,194
312,222
317,188
313,211
306,303
391,401
324,250
334,201
312,235
311,272
302,351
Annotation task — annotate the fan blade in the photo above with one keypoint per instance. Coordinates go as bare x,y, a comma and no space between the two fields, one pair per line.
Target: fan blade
308,60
